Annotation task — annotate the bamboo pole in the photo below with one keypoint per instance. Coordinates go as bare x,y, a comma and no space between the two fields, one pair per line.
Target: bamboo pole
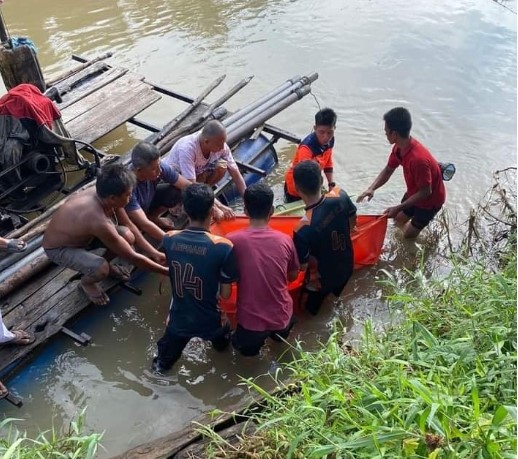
178,119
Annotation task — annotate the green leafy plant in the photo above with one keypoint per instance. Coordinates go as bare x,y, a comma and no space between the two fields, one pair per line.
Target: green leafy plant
73,444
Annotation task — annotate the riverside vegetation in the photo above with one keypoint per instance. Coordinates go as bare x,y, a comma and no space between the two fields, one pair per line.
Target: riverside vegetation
440,382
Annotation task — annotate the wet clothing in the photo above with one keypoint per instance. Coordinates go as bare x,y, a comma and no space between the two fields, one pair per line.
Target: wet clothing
420,169
323,240
198,262
171,346
264,258
144,192
250,342
187,159
420,217
309,149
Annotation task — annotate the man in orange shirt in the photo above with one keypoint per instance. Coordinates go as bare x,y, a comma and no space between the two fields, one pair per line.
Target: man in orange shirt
318,147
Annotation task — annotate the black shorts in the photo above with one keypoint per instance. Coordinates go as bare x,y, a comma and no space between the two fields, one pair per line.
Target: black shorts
249,342
171,346
420,217
166,195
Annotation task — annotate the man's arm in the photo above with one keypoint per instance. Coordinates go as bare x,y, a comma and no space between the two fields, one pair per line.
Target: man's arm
182,182
423,193
139,218
140,240
381,179
120,247
238,180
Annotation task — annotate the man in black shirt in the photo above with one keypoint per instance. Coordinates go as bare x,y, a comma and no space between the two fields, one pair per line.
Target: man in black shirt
323,236
201,266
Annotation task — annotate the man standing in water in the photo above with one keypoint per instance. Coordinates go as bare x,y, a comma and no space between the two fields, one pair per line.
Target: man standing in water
323,236
92,219
201,267
267,261
425,194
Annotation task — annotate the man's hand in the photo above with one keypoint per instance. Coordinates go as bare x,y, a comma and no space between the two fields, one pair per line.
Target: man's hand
368,193
160,258
392,212
222,212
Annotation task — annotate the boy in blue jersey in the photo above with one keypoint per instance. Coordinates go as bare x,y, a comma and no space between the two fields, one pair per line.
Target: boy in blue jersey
202,266
323,236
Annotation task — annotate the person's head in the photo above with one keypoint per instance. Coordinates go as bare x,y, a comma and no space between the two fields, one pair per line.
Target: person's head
325,124
308,178
114,184
213,137
398,123
145,158
258,200
198,201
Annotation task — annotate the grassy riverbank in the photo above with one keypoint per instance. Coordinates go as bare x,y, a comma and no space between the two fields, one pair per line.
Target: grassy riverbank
439,383
73,444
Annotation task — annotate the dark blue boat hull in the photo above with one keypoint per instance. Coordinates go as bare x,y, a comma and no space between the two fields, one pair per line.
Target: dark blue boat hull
258,153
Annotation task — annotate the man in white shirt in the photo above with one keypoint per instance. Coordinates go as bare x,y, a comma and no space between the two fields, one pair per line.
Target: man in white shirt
204,157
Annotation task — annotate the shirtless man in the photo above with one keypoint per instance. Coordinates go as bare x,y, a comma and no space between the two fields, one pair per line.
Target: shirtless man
92,219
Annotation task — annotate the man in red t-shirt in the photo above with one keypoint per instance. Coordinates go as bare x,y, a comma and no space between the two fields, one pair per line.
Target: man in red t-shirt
425,194
267,261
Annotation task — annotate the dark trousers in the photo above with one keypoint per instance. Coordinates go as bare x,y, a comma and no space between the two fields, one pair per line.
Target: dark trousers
249,342
312,300
171,346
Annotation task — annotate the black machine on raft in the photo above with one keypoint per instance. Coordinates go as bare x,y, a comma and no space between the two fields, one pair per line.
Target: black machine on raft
36,156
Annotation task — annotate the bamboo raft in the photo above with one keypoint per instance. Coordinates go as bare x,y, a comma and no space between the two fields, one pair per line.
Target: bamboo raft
95,99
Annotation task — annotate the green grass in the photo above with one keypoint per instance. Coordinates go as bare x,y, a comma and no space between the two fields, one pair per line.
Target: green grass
439,383
49,445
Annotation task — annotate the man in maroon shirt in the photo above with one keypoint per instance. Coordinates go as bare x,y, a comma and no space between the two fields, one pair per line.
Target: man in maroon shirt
267,261
425,194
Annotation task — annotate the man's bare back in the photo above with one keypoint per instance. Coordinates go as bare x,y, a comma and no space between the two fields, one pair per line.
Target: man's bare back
77,222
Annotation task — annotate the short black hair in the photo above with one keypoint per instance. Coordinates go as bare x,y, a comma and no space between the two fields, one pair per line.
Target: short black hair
198,200
258,200
144,153
399,120
114,179
308,177
325,117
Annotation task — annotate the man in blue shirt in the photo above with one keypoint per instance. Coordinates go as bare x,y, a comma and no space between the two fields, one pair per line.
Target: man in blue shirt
158,188
202,266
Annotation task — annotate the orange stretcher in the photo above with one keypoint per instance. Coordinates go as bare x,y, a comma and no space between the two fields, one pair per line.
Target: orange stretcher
367,244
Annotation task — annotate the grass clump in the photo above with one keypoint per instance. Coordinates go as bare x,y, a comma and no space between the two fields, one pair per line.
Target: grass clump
441,383
73,444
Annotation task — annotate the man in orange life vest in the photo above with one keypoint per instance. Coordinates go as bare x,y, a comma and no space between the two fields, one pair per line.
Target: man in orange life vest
318,147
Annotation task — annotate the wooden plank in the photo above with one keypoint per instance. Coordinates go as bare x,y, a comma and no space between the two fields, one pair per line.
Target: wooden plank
64,305
112,114
81,92
69,83
30,311
22,294
106,95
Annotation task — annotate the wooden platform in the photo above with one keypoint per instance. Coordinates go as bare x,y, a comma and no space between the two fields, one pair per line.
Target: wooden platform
42,307
99,99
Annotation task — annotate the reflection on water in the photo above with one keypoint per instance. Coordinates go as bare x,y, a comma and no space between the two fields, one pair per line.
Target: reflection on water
452,64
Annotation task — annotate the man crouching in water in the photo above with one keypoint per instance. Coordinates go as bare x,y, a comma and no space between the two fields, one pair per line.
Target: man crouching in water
92,219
